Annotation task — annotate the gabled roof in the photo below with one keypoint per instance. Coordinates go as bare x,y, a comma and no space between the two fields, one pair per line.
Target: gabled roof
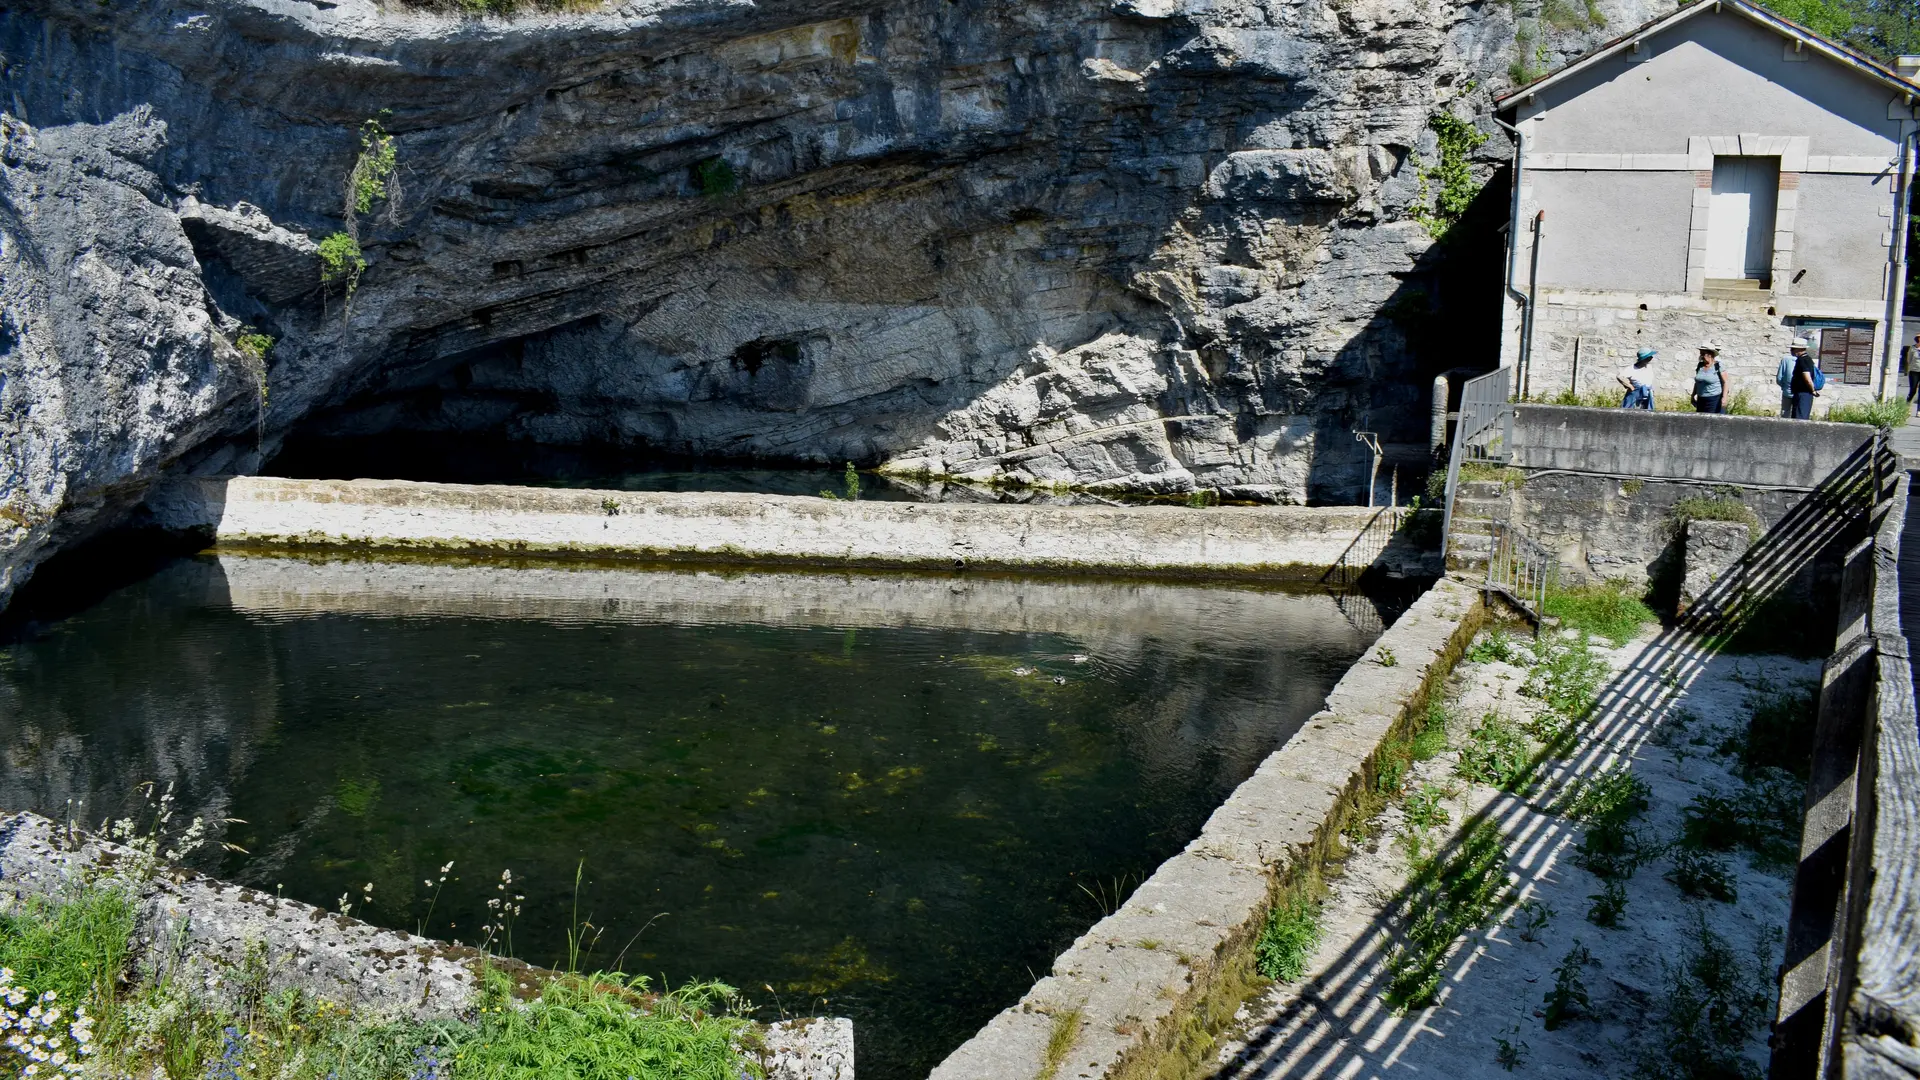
1792,31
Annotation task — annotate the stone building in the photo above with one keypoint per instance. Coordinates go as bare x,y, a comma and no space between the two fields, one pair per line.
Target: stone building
1719,173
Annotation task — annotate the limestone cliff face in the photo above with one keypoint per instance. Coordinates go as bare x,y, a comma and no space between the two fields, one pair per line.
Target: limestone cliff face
1150,244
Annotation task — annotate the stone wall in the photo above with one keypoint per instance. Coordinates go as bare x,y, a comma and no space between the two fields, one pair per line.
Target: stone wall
1181,946
1609,330
385,515
1609,490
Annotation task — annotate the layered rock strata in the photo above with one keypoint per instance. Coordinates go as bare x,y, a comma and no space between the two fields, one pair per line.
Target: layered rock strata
1141,244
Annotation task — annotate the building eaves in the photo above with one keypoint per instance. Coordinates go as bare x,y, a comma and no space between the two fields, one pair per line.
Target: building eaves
1832,50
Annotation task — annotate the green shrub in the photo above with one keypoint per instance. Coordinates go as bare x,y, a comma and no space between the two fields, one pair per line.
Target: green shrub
1892,412
253,343
1609,610
714,177
1457,140
340,260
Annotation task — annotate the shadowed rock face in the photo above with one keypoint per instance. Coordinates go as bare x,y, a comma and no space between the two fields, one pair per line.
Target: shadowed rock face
1145,243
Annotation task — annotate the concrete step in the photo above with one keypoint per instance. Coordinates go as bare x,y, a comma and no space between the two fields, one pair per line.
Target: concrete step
1481,509
1481,489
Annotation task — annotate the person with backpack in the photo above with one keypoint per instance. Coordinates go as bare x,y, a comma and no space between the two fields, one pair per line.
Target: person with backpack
1709,379
1784,376
1638,381
1808,381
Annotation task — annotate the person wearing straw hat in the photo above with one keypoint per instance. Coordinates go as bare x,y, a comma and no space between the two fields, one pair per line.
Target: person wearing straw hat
1784,376
1637,378
1709,380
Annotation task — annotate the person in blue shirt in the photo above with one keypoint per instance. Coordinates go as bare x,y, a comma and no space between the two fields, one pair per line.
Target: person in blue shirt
1784,376
1638,381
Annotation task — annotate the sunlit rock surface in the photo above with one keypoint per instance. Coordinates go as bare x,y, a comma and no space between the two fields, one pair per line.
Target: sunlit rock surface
1147,244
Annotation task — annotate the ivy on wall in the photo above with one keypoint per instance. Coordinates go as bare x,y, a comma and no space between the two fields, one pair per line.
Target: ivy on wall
1452,173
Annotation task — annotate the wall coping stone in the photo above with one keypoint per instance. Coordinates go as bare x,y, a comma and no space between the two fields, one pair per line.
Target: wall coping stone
1297,542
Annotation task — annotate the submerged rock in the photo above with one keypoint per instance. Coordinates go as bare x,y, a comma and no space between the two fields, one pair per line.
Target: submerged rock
1148,245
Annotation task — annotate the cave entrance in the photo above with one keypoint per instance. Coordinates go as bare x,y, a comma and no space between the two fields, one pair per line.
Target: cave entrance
565,408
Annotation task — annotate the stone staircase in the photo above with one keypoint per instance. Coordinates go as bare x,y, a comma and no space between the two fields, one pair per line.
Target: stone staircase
1477,504
1747,289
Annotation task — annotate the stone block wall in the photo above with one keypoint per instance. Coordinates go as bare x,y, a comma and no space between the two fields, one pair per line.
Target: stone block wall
1605,489
1610,329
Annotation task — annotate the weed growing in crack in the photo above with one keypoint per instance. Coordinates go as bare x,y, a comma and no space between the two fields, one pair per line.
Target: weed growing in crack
1423,809
1385,658
1509,1050
1447,899
1714,1002
1529,918
1290,935
1565,676
1612,850
1431,741
1614,794
1779,733
1568,998
1496,645
1610,610
1702,875
1060,1039
1496,753
1609,904
1763,816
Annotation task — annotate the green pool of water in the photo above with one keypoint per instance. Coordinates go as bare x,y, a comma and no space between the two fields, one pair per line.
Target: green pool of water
892,798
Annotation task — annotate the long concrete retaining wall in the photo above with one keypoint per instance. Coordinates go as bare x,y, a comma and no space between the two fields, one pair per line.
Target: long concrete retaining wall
393,515
1179,951
1745,450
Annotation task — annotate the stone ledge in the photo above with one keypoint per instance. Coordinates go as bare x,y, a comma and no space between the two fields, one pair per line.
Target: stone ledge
1186,934
1297,542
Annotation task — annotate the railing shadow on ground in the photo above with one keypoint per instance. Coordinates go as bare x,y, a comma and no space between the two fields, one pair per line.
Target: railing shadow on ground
1842,509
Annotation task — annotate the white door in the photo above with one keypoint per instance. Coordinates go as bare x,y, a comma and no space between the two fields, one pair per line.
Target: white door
1740,220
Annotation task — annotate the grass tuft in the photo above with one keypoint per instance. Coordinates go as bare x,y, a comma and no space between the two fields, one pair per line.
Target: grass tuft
1609,610
1290,935
1060,1040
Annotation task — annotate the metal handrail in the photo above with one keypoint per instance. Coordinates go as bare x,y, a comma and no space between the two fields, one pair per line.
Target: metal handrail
1521,570
1484,432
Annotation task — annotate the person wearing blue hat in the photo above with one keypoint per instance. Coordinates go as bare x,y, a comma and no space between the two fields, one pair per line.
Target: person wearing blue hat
1637,377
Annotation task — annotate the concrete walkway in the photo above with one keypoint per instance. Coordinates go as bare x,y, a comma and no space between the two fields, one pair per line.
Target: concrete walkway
1666,706
1906,441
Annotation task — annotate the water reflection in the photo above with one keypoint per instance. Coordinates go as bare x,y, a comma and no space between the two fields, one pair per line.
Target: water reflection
878,790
